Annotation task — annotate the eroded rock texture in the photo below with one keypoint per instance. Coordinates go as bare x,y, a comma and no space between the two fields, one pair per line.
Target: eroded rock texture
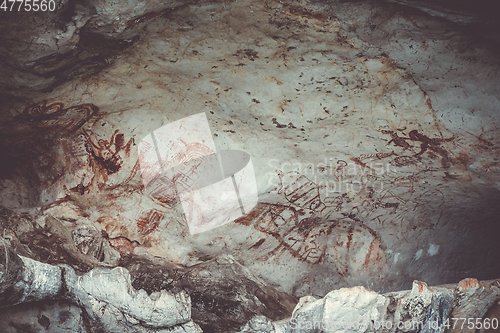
219,294
423,309
372,128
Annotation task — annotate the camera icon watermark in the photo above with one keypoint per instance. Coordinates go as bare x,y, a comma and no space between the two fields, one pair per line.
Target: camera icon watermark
179,160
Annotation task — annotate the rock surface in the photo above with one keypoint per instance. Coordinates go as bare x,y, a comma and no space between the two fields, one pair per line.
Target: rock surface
423,309
106,297
373,132
144,296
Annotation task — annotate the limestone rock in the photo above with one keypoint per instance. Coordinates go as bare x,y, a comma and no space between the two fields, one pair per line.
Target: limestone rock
106,296
26,280
73,240
474,299
114,288
71,39
423,309
348,309
258,324
48,316
224,294
357,145
427,307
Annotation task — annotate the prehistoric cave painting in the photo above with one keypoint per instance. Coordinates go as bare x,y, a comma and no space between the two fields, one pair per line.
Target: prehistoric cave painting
429,145
89,242
105,158
392,204
357,248
306,230
351,246
402,200
304,193
149,221
300,191
385,197
359,160
338,170
192,165
397,140
401,161
56,117
432,144
30,136
311,228
162,187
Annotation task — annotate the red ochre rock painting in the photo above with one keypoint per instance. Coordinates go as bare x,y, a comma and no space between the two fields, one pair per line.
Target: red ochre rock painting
351,246
106,157
148,222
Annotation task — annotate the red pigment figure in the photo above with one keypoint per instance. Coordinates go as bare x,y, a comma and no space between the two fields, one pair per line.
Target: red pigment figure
432,144
104,156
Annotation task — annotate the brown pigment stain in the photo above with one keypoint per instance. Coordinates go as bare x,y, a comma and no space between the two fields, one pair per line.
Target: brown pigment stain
305,239
148,222
364,165
398,141
55,116
428,102
104,156
463,157
31,135
432,144
448,176
469,283
488,166
374,248
302,12
349,239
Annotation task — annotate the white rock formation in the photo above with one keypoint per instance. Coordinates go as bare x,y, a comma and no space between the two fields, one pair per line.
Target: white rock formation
106,295
423,309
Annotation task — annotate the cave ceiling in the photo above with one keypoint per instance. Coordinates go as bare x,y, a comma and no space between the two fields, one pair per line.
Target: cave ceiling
372,127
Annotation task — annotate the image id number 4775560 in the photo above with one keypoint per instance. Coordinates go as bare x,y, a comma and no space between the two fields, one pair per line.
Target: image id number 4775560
471,323
28,5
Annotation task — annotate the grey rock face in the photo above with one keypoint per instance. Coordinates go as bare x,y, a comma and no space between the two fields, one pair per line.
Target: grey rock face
153,296
55,241
423,309
73,151
109,301
24,280
339,309
46,316
105,295
224,294
77,38
260,324
114,287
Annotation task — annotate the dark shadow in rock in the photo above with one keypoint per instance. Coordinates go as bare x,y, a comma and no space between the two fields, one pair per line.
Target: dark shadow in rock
53,243
45,316
29,148
467,235
224,294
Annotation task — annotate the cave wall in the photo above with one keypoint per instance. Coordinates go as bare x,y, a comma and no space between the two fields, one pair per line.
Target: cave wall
372,128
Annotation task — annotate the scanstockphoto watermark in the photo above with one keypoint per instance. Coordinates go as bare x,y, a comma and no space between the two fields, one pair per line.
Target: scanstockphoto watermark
362,324
331,176
332,167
